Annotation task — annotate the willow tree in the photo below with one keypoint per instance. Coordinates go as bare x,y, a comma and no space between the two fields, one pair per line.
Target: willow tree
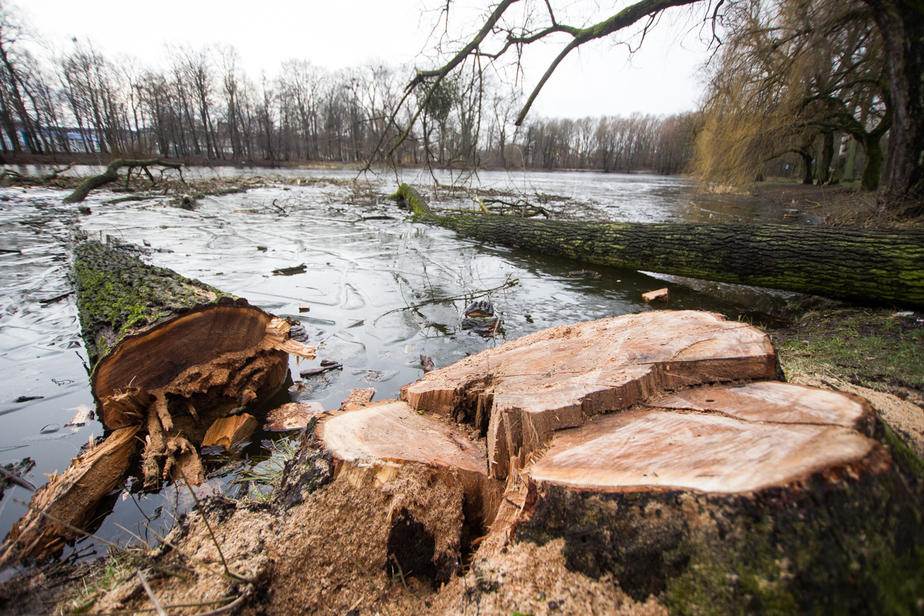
789,72
510,26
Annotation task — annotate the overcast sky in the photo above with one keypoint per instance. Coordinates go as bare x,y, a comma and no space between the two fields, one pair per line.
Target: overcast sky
599,79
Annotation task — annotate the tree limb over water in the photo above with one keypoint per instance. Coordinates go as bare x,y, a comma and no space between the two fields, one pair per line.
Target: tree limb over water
112,174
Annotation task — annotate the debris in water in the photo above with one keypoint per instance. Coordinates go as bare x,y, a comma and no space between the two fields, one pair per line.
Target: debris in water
481,309
292,416
427,362
326,365
659,295
290,271
22,399
84,414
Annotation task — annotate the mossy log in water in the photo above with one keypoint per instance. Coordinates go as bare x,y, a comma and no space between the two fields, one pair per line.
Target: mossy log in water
112,174
864,264
170,356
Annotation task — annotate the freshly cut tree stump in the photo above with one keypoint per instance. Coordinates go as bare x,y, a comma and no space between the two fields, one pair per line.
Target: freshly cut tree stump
522,391
762,498
777,436
389,434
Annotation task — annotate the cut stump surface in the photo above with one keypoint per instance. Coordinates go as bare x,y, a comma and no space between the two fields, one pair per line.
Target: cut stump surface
522,391
710,452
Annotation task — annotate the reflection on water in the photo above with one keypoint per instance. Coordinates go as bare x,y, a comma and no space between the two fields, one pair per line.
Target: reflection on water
382,291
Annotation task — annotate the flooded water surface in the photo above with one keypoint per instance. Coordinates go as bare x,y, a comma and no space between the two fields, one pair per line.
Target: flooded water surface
381,290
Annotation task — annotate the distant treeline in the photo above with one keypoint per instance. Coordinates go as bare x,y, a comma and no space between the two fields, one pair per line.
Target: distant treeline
200,104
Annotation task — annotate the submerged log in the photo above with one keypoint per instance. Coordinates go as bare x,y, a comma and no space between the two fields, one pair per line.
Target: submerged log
169,357
864,264
522,391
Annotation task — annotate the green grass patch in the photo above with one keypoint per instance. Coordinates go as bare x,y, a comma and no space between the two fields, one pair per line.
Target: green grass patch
877,348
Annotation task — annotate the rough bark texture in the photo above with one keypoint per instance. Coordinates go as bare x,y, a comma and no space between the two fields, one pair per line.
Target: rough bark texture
864,264
112,174
901,23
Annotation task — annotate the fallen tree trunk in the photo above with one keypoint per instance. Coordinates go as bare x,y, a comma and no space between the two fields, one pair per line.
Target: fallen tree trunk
170,356
862,264
112,174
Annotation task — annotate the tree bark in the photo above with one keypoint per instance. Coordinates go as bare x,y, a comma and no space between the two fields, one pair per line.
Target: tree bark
901,23
884,266
112,174
170,356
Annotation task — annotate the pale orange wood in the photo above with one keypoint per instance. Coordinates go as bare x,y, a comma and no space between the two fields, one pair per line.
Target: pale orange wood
229,432
71,497
560,377
775,402
292,416
390,433
708,452
659,295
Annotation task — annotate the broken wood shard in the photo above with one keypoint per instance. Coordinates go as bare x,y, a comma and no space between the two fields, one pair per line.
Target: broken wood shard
69,499
230,432
659,295
522,391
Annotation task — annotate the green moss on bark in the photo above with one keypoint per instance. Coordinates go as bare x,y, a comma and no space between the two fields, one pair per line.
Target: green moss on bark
850,546
118,294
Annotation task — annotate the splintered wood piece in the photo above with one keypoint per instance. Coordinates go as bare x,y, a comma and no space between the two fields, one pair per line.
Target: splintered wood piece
357,398
71,497
524,390
229,432
659,295
775,402
768,445
392,433
292,416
